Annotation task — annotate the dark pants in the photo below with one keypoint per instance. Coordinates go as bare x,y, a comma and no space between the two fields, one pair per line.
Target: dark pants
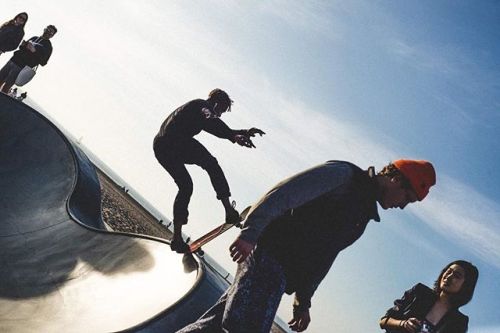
250,304
174,156
8,75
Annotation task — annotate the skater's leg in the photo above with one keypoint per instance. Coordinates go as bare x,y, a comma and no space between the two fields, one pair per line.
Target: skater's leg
201,156
183,180
176,169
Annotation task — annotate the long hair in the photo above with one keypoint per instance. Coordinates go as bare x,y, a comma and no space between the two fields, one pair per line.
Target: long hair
11,22
467,291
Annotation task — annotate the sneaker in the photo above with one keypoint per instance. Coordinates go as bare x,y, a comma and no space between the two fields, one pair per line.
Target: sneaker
179,246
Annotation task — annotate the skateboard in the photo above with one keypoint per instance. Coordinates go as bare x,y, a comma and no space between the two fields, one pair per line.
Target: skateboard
195,246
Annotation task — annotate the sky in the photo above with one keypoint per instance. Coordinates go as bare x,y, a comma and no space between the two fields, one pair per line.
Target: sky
363,81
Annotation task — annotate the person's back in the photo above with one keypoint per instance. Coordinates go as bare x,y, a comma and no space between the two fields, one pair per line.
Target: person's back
309,237
184,123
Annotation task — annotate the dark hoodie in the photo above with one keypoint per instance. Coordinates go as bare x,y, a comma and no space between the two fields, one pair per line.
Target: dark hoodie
24,57
190,119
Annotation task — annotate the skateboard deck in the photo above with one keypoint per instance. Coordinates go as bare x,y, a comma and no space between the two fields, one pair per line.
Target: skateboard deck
196,245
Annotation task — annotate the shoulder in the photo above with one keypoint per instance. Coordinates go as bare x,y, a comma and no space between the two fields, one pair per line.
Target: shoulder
339,167
46,42
195,104
199,102
330,174
419,291
456,322
461,319
422,289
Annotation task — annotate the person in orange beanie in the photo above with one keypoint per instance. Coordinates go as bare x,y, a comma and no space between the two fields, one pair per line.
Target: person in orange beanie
402,175
292,235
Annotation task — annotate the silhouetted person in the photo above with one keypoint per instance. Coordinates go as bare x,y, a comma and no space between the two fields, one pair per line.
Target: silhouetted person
36,51
174,147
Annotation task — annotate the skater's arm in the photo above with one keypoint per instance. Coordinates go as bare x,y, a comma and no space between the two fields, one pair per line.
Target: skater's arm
217,127
243,137
251,132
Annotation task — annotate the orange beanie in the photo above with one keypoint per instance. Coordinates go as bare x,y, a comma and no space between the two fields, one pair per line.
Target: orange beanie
421,175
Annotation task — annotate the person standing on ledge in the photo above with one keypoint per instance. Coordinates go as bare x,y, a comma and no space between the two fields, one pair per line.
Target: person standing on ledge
293,234
36,51
174,147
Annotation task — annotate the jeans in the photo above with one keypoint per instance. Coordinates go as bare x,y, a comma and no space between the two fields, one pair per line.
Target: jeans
8,75
250,304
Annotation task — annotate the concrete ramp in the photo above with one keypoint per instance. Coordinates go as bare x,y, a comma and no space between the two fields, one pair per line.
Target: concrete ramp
59,272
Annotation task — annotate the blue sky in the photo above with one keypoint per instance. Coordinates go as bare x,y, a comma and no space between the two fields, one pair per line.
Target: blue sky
364,81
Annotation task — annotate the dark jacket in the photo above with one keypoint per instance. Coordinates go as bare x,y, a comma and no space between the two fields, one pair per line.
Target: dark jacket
24,57
10,37
189,120
306,220
417,302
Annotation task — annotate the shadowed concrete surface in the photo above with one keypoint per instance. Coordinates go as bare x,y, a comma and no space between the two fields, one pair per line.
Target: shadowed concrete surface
59,272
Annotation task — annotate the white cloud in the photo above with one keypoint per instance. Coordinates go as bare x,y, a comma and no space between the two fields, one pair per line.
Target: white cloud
433,58
461,213
308,15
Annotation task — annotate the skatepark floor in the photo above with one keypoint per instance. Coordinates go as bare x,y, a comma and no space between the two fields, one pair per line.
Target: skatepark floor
122,213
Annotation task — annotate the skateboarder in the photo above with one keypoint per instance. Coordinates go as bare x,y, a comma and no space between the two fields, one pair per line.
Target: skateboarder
174,146
293,234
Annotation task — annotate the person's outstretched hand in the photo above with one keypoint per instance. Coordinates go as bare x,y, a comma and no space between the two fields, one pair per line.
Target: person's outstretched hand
252,131
244,141
240,249
300,321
